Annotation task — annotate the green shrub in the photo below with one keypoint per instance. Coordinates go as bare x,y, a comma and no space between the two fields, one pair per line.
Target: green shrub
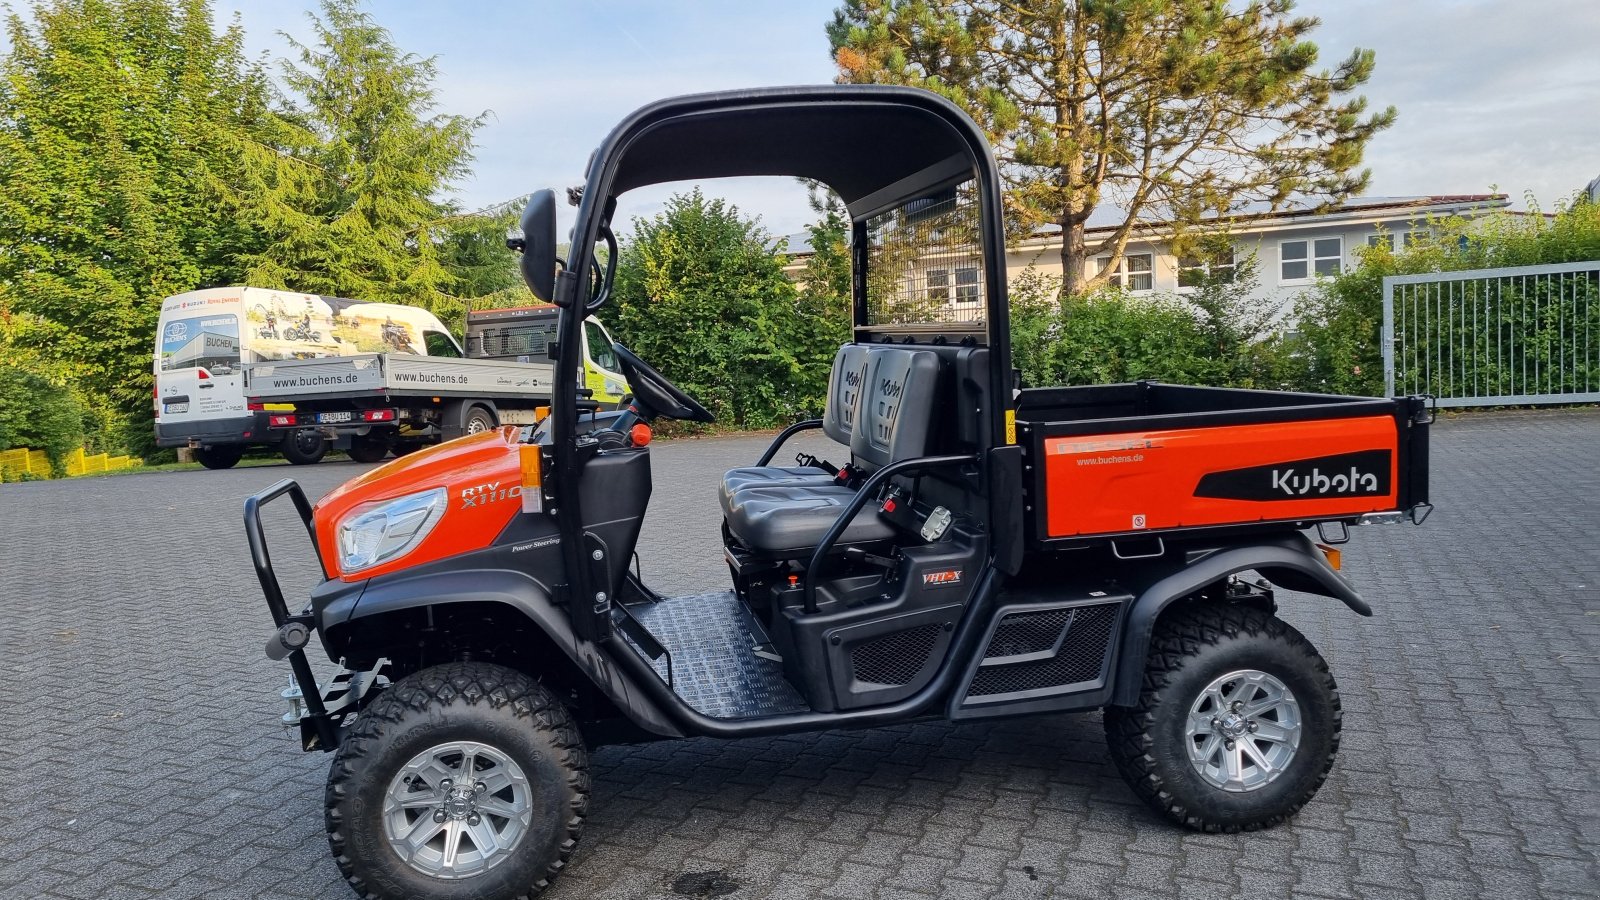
39,413
1337,347
702,297
1213,336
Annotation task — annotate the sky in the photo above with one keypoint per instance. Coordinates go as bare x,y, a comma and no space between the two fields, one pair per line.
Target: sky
1490,94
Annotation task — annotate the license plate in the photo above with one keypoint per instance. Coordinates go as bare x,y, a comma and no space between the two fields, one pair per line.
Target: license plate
331,418
176,408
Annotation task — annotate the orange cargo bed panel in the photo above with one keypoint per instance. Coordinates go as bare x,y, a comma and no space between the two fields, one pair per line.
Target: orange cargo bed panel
1219,475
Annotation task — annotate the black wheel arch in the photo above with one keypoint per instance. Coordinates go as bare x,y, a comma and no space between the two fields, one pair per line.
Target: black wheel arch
414,613
1290,561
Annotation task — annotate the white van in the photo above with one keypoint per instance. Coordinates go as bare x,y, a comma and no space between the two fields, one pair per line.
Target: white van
204,338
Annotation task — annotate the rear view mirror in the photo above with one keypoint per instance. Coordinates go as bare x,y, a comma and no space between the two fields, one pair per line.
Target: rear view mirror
538,244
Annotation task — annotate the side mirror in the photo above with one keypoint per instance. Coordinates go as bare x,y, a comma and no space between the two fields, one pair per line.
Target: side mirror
538,244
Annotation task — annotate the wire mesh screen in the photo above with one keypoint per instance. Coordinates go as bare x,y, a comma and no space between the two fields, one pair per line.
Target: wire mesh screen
925,264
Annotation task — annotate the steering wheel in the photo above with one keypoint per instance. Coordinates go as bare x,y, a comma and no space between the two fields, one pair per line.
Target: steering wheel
652,389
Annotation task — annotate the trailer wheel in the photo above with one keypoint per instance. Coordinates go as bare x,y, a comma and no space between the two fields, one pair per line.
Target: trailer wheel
304,447
220,456
1237,725
478,419
368,448
462,780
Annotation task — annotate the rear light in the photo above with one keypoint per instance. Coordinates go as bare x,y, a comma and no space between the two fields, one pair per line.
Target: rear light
378,415
255,407
278,421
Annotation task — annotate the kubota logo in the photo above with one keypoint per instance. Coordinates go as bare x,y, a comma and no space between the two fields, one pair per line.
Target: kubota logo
484,494
1363,473
1314,482
941,579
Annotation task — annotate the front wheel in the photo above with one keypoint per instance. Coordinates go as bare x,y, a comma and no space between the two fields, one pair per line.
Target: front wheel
1237,725
462,780
304,447
220,456
368,448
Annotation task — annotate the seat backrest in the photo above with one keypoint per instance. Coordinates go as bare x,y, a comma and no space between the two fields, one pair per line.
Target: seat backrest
844,392
896,418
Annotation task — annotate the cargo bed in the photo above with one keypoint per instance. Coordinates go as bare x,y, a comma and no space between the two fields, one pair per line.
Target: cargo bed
1141,458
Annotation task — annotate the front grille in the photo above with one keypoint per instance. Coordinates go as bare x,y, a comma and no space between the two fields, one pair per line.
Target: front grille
1080,659
895,659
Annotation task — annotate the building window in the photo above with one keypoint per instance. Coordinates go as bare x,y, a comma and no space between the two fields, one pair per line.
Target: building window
1194,271
967,284
937,284
1297,260
1134,274
1385,240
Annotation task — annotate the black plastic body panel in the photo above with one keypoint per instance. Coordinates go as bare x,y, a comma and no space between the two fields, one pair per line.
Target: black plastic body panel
1089,693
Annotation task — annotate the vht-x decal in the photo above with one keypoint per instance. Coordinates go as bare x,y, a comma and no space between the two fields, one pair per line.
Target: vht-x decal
1361,474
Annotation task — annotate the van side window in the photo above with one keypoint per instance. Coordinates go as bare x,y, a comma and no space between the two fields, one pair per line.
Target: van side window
439,344
600,347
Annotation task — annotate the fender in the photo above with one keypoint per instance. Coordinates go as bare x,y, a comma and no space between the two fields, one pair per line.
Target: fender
1291,561
508,587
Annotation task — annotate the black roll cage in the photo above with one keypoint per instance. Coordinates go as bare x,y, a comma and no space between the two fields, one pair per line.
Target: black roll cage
750,132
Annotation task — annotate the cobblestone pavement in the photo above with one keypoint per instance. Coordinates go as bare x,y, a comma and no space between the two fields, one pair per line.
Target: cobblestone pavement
143,756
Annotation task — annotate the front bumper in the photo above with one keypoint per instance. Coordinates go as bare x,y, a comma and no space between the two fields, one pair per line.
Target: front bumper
320,713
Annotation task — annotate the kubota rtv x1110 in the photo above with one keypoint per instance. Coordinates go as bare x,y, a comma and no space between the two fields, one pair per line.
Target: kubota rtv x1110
975,550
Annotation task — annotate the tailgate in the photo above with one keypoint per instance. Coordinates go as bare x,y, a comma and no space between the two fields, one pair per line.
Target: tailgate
292,378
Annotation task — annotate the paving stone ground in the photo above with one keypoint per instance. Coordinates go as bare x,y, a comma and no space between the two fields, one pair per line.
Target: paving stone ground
142,756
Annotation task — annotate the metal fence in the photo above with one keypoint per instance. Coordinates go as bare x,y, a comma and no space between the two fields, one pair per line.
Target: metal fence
1494,337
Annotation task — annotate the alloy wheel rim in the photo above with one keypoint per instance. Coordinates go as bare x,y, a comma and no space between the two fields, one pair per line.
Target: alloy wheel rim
457,809
1243,730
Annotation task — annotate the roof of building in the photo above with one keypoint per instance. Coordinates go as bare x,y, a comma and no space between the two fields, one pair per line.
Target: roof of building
1105,218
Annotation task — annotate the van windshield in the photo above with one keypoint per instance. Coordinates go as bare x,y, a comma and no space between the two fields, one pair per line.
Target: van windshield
201,342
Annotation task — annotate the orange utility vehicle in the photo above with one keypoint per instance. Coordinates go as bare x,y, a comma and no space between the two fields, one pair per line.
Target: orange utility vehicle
977,549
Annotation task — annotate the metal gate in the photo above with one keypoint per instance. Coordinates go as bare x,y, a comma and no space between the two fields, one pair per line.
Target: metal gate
1494,337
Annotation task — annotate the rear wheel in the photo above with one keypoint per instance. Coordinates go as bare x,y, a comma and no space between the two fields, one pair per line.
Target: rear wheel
304,447
478,419
221,456
1237,725
463,780
368,448
401,448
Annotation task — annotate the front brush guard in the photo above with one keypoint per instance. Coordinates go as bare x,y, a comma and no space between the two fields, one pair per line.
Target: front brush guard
324,714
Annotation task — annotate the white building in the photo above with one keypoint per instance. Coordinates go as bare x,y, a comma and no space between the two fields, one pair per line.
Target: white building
1292,248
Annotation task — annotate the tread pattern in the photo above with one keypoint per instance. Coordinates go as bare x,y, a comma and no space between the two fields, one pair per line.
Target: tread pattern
1179,635
470,684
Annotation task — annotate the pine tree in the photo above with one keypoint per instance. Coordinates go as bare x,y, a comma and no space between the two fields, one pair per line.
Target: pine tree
1171,110
361,215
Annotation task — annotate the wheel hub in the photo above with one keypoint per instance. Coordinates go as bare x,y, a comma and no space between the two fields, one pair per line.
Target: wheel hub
1243,730
457,809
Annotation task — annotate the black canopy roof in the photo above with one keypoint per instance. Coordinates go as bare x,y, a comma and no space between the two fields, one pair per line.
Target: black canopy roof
874,145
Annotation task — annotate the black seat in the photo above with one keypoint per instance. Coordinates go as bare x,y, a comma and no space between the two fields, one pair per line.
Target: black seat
838,422
893,423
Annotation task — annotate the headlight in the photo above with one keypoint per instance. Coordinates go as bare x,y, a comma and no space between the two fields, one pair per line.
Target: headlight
386,530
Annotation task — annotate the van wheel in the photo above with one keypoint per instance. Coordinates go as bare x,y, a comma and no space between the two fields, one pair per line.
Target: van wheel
478,419
462,780
221,456
401,448
1237,725
304,447
368,448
